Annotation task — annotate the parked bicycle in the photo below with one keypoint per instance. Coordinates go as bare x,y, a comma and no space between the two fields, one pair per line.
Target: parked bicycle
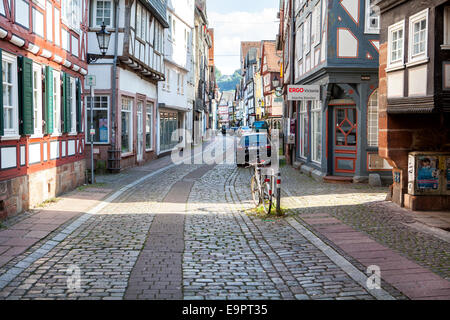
262,186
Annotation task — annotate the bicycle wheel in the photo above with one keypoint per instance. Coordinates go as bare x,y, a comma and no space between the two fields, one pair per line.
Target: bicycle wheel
266,197
255,191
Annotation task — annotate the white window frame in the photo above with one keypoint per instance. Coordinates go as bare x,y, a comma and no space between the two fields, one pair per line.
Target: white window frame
26,21
413,19
299,43
56,103
57,26
49,21
38,21
367,27
14,131
37,100
307,35
88,115
391,29
73,107
372,120
71,14
316,111
130,123
94,15
316,24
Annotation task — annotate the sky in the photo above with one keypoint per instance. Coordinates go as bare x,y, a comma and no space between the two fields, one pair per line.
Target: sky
239,20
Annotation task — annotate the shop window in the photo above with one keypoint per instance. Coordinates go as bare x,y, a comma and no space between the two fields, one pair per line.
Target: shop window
100,118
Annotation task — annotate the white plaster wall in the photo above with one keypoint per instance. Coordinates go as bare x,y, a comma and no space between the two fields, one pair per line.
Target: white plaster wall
395,81
417,81
103,76
130,82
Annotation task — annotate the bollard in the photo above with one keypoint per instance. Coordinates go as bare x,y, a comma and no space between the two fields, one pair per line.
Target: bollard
279,194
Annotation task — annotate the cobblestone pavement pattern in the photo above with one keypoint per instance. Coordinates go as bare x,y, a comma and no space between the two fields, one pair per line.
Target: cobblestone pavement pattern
224,252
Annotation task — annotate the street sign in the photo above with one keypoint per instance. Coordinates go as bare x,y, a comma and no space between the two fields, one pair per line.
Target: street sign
90,80
92,132
300,92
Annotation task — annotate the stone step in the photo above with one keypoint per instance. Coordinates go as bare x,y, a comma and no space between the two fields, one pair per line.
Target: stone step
338,179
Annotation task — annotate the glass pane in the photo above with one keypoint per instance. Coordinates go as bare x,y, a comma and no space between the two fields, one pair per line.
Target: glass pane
346,126
340,116
340,138
351,115
351,138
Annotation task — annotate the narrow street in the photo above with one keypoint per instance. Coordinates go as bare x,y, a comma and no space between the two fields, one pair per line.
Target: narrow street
165,231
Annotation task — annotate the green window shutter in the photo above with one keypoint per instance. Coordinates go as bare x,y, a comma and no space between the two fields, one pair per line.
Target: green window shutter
78,106
26,96
2,123
49,103
66,105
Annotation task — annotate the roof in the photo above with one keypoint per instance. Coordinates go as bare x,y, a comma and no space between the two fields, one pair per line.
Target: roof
245,47
271,55
158,8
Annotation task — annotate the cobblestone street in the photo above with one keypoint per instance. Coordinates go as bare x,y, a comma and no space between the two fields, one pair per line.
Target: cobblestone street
165,231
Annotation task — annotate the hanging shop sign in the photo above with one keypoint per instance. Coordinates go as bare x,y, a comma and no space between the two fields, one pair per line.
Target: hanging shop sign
300,92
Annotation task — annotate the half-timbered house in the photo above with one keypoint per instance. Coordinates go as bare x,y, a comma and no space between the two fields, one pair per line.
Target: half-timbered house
336,46
415,99
270,70
125,106
43,64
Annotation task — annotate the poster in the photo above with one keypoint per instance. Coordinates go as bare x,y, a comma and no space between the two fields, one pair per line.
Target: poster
103,130
428,173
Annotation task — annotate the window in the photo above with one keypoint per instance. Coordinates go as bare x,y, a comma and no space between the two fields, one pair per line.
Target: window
38,22
141,21
71,13
307,35
315,28
75,44
103,13
372,18
174,30
418,36
299,43
22,13
100,118
10,95
149,127
49,20
316,130
65,40
56,103
303,129
127,125
73,105
372,120
178,83
57,27
446,43
37,99
168,125
396,43
169,36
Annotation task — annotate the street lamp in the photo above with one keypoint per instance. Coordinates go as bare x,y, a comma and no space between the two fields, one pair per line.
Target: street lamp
103,38
275,82
276,86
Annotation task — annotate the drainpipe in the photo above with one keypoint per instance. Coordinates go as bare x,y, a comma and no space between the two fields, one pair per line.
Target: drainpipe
114,88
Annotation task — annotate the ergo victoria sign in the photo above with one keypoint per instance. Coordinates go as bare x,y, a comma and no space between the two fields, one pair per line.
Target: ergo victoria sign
299,92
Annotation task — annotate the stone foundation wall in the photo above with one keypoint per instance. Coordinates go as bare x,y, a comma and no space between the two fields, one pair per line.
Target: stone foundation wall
22,193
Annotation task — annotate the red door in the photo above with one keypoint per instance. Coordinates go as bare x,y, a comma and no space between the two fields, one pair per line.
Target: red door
345,140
